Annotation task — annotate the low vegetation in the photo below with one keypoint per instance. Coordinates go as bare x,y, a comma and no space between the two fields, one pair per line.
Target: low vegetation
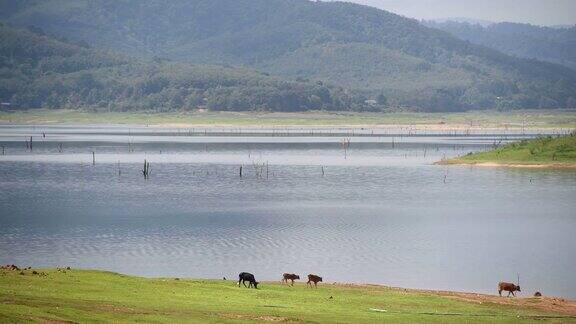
543,151
55,296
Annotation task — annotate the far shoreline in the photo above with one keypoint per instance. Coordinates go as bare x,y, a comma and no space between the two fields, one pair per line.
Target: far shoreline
529,120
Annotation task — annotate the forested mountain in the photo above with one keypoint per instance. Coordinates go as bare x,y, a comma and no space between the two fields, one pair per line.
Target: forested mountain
555,45
353,46
40,71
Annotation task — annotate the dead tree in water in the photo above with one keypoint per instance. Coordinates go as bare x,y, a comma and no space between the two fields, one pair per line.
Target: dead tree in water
146,169
345,145
93,158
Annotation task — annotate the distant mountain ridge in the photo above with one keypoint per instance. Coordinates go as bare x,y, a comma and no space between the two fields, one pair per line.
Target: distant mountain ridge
550,44
357,47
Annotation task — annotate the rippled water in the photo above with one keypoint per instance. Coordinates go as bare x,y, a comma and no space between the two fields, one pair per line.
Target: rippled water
381,213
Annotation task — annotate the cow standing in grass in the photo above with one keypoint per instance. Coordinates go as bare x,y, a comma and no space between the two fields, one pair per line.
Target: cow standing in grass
290,276
313,279
245,276
509,287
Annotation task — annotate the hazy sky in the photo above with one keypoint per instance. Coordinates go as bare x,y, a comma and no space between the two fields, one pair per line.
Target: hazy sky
540,12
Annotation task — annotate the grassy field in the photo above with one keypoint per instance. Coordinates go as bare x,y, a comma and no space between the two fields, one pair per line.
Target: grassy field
516,119
543,151
82,296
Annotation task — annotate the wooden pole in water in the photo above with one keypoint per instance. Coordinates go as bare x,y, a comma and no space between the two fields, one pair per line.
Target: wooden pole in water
322,170
93,158
240,171
3,150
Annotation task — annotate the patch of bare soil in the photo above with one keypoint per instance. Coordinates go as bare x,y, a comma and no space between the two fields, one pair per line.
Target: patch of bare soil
267,318
548,304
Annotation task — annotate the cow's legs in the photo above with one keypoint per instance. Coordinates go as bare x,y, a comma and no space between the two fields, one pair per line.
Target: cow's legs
500,292
292,282
239,280
315,284
513,294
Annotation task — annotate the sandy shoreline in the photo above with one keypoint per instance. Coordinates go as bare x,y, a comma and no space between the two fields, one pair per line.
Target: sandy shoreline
415,129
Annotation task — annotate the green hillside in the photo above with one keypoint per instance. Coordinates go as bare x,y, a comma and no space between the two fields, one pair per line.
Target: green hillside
40,71
358,47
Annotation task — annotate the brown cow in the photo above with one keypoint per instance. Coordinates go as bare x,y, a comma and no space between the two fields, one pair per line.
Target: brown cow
290,276
509,287
315,279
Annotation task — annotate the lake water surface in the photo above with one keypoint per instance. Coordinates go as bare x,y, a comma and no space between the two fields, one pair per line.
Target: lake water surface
380,212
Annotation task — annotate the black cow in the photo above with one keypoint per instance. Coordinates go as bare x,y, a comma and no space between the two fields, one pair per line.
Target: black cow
245,276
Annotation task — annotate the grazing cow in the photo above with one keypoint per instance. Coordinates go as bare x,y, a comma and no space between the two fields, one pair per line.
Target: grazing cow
315,279
290,276
509,287
245,276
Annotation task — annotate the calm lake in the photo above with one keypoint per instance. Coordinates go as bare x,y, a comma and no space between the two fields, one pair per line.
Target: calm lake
378,212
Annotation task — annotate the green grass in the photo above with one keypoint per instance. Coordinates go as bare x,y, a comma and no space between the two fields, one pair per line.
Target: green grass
547,150
515,119
82,296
